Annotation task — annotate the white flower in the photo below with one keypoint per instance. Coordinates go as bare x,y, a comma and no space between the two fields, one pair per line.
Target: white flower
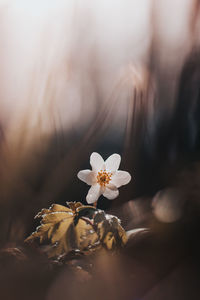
104,177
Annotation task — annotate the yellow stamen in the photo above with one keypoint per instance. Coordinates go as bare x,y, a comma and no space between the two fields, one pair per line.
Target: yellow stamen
103,177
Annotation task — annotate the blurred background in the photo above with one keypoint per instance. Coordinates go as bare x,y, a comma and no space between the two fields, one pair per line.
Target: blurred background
107,76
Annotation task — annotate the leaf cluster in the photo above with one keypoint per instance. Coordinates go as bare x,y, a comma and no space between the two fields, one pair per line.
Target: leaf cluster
77,227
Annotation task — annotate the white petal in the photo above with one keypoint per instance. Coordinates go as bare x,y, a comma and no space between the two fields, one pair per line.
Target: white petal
93,193
111,192
121,178
87,176
112,162
111,186
96,161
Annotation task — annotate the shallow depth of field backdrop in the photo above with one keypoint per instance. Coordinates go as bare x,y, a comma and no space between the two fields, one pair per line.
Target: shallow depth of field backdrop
109,76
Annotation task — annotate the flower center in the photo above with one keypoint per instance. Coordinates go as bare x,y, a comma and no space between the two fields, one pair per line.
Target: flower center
103,177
